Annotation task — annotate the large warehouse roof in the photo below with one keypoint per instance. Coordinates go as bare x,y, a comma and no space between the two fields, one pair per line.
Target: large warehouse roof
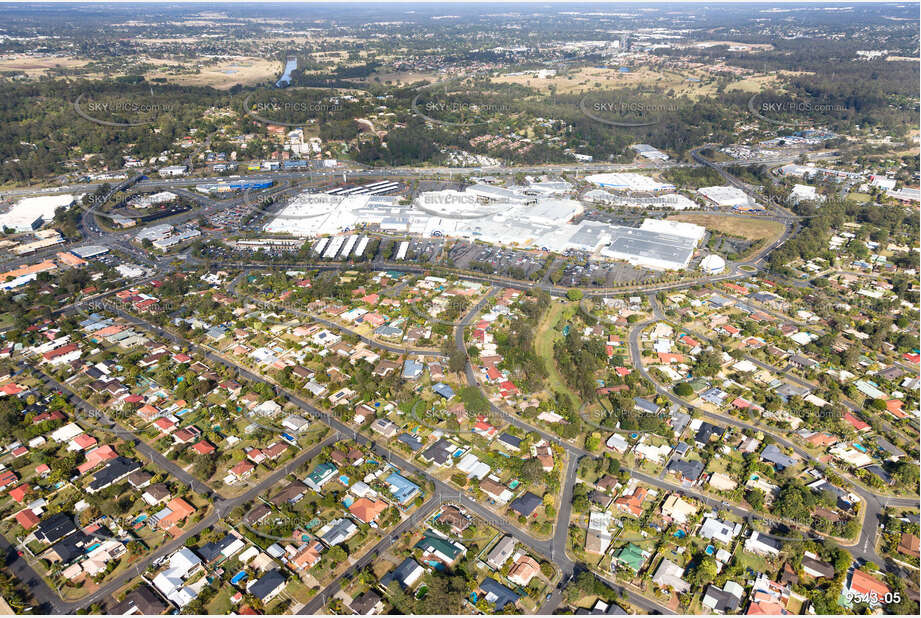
32,212
629,182
651,249
724,195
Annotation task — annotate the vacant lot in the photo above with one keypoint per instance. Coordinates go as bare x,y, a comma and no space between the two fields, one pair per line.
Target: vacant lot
221,75
750,228
34,66
547,335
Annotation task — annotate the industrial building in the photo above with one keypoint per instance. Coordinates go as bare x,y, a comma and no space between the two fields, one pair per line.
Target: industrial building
671,201
648,152
629,182
485,215
713,264
725,196
31,213
171,171
804,193
154,199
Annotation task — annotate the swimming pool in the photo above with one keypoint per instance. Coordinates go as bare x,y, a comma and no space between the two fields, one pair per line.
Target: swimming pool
710,550
680,534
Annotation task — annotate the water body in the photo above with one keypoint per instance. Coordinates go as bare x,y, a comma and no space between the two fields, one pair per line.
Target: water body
285,79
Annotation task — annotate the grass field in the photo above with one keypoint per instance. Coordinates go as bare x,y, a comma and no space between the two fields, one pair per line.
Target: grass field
547,335
750,228
591,79
224,74
34,67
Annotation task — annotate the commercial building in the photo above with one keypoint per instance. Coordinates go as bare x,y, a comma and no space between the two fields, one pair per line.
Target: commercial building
671,201
90,251
725,196
629,182
810,171
154,199
526,221
648,152
713,264
906,194
804,193
33,212
172,170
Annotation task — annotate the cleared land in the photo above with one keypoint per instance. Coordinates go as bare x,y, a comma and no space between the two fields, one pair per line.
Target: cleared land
221,75
749,46
693,82
750,228
37,66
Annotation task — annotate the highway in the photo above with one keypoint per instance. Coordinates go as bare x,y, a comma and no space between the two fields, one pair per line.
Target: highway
399,172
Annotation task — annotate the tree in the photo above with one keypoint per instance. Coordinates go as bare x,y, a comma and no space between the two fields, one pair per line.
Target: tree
532,471
755,497
593,441
683,389
708,363
704,571
574,295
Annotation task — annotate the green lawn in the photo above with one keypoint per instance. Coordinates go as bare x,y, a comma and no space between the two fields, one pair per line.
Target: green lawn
547,335
221,604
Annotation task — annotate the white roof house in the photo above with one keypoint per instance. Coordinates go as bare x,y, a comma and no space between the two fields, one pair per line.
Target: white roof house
722,531
760,544
669,575
267,408
471,465
181,564
66,433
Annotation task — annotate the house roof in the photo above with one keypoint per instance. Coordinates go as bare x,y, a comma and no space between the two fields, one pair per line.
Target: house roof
367,510
431,542
496,594
402,573
866,584
27,518
631,555
525,504
267,584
